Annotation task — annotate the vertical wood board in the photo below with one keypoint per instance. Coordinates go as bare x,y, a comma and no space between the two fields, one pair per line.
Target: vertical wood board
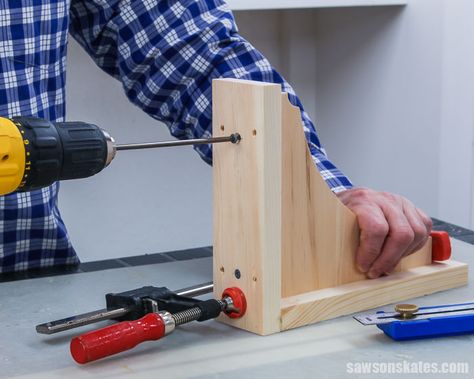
247,199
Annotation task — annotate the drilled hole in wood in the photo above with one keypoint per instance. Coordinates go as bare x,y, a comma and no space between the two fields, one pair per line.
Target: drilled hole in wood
254,278
5,157
254,132
222,127
237,273
221,269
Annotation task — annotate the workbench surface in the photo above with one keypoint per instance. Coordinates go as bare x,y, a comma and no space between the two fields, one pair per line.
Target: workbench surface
203,350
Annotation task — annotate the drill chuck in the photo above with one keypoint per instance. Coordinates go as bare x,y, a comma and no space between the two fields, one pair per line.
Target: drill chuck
34,153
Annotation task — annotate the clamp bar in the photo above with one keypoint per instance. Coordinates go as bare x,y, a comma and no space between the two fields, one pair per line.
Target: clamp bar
107,314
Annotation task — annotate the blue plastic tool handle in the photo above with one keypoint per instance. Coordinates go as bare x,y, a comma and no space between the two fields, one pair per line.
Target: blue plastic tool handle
438,326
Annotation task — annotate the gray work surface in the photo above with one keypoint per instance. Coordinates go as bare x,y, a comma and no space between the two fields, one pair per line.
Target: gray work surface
203,350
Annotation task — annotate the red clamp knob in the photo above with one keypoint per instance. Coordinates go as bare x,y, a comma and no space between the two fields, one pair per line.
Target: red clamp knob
441,246
238,300
116,338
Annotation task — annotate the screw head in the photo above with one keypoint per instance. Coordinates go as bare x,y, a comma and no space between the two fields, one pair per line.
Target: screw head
235,138
237,273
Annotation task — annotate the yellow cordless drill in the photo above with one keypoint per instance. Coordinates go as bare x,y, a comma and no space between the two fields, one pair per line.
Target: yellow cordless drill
35,153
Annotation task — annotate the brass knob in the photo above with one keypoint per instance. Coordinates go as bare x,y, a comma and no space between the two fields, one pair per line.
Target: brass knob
406,311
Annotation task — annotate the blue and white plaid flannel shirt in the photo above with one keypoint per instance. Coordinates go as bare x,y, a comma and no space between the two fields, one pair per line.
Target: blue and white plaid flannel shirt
165,53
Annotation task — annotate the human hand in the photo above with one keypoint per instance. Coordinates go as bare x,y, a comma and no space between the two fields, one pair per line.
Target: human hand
391,227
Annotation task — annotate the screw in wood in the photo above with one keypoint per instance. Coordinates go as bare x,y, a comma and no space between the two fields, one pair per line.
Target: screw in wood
237,273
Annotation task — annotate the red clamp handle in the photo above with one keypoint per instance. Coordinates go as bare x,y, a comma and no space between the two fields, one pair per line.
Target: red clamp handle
116,338
441,246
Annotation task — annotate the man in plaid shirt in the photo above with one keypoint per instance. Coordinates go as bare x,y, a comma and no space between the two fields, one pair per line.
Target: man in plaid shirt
165,53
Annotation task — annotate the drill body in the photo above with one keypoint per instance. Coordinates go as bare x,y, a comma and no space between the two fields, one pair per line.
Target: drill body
35,153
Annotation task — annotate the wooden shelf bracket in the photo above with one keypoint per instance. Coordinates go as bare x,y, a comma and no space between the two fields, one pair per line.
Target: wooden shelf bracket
280,234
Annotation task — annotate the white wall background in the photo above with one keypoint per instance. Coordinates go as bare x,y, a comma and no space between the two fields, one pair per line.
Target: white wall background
391,90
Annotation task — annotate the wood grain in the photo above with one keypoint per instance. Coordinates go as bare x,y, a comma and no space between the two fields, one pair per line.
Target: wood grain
342,300
319,234
279,225
247,199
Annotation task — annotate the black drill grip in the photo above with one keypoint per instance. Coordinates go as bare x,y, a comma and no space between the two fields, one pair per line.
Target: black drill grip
65,150
84,149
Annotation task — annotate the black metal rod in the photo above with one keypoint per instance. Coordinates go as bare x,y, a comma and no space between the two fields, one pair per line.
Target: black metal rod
234,138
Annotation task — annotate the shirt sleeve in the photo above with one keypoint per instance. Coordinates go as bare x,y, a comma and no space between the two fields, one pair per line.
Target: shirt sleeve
166,54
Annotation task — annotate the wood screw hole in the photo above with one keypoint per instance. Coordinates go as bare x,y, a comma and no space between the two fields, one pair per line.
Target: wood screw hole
254,278
222,127
5,157
221,269
254,132
237,273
